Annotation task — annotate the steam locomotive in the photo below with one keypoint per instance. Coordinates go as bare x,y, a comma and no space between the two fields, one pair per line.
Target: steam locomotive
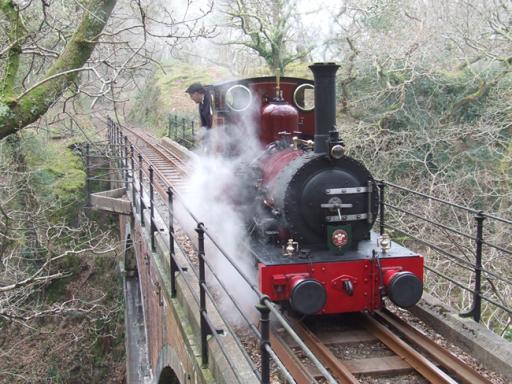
313,206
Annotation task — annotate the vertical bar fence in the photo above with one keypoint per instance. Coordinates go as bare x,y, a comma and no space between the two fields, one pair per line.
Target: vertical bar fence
463,247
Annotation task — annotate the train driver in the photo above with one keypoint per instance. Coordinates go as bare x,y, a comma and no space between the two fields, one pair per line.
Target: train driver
202,97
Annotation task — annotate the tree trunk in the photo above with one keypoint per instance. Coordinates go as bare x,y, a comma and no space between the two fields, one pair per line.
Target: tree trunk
18,112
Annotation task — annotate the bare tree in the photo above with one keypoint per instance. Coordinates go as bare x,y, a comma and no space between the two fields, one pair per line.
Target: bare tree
270,28
60,62
425,101
36,247
50,50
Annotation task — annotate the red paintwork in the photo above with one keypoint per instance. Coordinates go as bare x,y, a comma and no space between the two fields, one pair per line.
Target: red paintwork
263,91
278,117
276,281
275,163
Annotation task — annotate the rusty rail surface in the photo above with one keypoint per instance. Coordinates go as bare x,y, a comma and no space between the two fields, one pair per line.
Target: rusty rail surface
169,163
339,370
421,364
440,355
402,339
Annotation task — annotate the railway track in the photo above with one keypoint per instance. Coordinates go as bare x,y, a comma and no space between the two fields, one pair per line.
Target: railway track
356,348
362,348
169,161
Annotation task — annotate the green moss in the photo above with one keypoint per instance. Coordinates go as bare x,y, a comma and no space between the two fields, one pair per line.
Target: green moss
76,52
57,174
4,111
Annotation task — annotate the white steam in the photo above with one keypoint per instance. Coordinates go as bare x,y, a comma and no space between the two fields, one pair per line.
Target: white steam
217,198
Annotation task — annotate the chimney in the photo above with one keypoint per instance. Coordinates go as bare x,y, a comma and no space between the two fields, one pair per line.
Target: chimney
325,103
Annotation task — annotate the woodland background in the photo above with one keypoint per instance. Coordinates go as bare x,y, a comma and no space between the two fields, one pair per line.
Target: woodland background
425,101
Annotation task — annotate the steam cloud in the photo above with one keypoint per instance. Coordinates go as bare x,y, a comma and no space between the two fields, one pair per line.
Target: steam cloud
218,198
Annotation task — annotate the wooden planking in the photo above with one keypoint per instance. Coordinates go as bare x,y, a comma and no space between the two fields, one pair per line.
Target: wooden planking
381,365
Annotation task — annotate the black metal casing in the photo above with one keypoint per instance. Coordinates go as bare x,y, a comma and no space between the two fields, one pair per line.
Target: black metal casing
300,191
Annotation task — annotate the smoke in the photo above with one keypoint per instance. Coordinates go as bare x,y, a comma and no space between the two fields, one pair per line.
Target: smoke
220,189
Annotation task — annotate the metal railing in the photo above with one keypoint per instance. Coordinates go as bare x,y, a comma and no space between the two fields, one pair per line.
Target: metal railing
465,245
265,306
182,129
465,248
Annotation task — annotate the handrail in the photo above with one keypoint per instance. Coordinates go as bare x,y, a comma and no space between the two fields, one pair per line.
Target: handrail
472,244
181,129
393,194
262,297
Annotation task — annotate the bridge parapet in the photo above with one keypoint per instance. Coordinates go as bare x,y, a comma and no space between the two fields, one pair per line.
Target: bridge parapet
173,320
164,282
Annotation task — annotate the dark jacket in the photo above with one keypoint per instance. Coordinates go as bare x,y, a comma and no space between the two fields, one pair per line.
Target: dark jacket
205,111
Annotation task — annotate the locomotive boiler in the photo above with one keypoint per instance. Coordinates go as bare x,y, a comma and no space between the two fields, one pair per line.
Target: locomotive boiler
313,206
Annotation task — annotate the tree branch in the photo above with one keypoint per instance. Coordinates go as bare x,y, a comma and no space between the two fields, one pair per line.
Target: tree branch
16,34
18,113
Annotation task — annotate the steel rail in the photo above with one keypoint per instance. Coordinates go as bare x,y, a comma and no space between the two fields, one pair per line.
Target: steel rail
442,356
338,369
270,305
280,365
300,374
164,180
180,156
416,360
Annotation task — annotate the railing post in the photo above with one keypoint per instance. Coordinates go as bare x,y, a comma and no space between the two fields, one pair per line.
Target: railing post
169,118
381,206
479,217
152,227
125,166
132,162
114,140
113,136
116,148
192,129
112,132
183,124
120,145
476,307
109,131
172,262
265,340
205,329
141,200
88,174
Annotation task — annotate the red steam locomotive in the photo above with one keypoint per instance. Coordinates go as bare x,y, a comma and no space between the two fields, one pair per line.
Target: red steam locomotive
312,206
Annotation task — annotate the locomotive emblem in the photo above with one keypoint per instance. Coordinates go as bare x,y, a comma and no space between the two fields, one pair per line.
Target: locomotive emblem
339,238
